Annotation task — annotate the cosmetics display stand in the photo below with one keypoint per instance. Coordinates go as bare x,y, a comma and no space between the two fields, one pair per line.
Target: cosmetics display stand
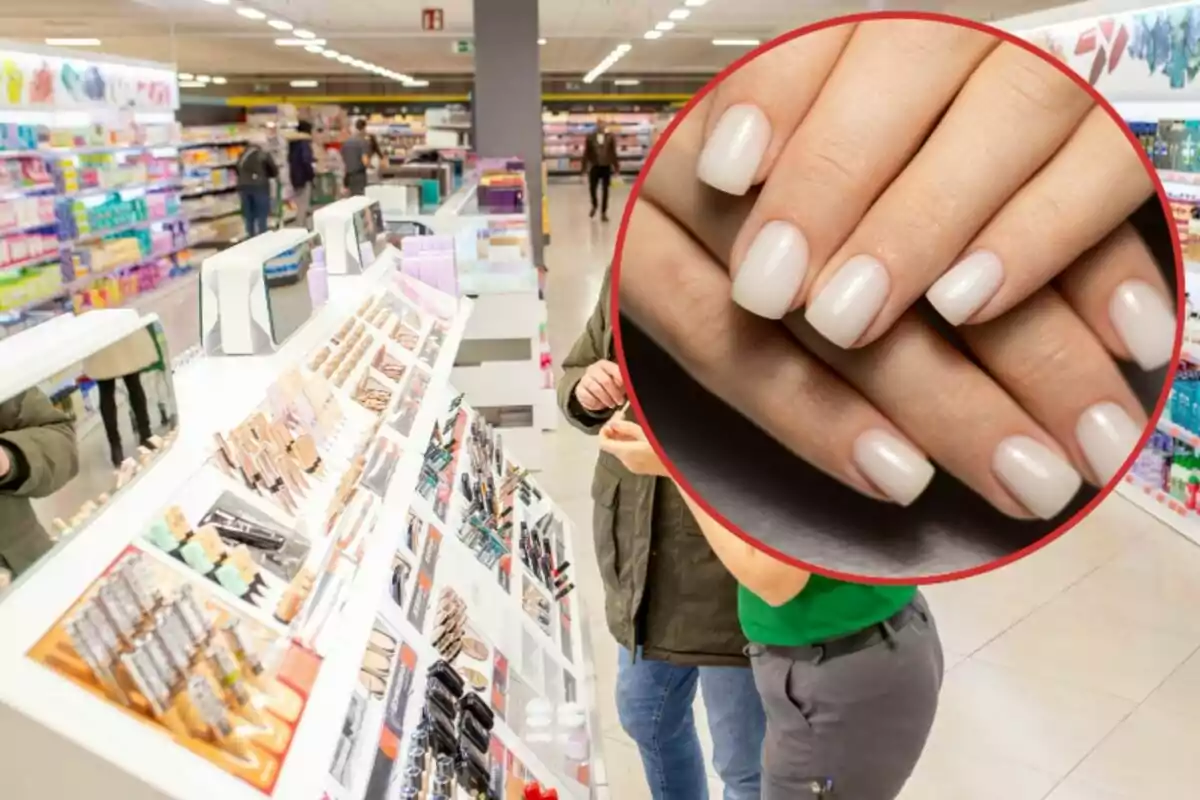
260,614
504,366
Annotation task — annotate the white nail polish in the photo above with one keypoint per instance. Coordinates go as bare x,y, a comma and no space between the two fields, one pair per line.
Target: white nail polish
1145,323
892,466
1106,435
844,309
735,149
1036,475
769,277
967,286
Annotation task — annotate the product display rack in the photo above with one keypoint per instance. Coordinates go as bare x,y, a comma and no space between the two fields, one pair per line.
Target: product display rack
564,135
393,455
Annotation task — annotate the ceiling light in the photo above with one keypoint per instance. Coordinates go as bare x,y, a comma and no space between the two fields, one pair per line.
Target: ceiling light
417,84
624,47
300,33
186,76
679,13
251,13
345,59
218,2
305,84
220,81
73,42
626,82
664,26
612,58
299,42
736,42
694,3
315,48
331,54
204,78
280,25
652,35
192,84
541,41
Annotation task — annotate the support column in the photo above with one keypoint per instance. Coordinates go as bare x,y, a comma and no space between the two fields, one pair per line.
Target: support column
507,101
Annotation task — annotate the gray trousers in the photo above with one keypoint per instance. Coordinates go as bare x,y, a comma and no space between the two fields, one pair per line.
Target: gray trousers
303,198
859,720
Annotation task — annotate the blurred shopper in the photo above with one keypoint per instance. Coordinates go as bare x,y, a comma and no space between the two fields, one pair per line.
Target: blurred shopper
600,163
356,154
669,602
38,456
302,170
849,673
125,359
255,171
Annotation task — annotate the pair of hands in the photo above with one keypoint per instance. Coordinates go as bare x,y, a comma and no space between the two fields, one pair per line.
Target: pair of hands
900,145
602,389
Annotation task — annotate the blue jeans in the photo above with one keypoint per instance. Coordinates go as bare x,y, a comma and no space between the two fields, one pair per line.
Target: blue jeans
256,208
654,702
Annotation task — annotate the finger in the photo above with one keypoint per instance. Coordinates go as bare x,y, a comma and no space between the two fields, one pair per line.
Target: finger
592,399
1014,112
1119,291
1089,188
612,371
611,389
754,110
628,430
678,296
956,413
892,83
1052,364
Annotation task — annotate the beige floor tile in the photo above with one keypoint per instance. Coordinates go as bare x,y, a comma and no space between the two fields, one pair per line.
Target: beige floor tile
1076,645
953,775
1153,754
1040,723
1074,789
1180,693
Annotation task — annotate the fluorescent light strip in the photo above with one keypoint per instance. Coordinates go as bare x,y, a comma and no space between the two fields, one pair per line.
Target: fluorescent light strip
300,33
679,13
664,26
186,76
331,54
626,82
204,79
218,2
58,42
305,84
736,42
299,42
612,58
192,85
220,81
314,48
280,25
251,13
417,84
694,3
652,35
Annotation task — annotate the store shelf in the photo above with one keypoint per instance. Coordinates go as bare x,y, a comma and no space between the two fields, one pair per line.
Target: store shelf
1179,432
206,217
34,260
213,143
153,186
214,190
17,192
1162,506
147,223
36,226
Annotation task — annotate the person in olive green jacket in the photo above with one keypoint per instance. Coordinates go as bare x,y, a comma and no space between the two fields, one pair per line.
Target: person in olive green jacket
38,456
669,602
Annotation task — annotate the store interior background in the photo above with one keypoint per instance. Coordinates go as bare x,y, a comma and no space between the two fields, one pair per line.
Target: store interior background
1072,675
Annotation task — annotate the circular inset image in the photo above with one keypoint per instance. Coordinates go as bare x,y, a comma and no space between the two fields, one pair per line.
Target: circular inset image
897,299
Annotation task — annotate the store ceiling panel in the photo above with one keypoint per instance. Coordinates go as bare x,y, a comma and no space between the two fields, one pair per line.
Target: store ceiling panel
204,38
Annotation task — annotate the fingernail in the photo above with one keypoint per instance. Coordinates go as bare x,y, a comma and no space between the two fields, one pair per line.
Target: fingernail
892,465
1037,476
735,149
843,310
966,286
1145,322
770,276
1106,435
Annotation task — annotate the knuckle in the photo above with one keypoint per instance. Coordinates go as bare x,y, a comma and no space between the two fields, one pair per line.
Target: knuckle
1037,84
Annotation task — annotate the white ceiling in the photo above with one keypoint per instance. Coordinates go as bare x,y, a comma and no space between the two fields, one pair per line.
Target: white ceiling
204,38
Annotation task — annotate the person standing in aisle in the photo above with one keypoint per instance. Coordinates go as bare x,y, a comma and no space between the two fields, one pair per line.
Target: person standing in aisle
356,154
126,359
849,673
600,162
302,170
669,603
38,456
255,171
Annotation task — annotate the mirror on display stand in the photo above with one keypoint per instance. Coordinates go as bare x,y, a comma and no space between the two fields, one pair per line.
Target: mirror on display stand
349,231
255,296
72,441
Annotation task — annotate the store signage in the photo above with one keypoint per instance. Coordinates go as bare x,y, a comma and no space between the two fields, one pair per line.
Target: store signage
1141,55
464,46
432,19
35,81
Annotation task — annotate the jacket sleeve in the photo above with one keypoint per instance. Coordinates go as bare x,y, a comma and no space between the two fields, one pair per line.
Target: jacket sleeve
587,350
42,439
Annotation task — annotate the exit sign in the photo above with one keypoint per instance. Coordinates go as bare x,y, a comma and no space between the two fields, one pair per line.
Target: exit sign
432,19
464,46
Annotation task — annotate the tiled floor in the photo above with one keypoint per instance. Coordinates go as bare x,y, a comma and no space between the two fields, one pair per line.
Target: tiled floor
1073,674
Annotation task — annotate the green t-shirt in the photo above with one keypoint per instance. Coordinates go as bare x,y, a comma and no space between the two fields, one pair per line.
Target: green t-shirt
826,609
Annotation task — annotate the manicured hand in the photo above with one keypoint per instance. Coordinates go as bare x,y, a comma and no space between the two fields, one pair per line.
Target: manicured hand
601,388
627,441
